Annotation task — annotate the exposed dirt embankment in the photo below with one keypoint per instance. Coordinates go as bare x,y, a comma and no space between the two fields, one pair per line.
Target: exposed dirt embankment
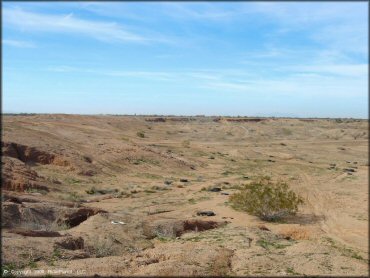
31,155
239,120
40,213
170,119
17,162
156,120
17,176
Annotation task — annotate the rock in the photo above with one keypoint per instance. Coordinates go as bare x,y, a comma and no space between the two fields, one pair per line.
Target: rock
184,180
167,182
224,193
206,213
106,191
215,189
349,170
70,243
35,233
270,160
87,159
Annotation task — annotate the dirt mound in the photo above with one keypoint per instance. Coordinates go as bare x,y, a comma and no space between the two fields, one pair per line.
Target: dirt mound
76,217
175,228
35,233
10,214
16,176
31,155
31,216
244,120
20,198
156,120
180,119
42,215
200,225
178,259
70,243
238,120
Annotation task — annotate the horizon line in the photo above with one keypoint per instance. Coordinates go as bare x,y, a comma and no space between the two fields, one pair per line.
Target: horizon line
173,115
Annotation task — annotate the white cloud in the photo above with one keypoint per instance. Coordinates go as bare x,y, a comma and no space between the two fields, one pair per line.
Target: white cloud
349,70
19,43
304,80
152,75
338,26
200,11
100,30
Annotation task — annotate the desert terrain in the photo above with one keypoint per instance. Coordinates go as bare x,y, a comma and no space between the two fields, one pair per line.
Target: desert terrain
133,195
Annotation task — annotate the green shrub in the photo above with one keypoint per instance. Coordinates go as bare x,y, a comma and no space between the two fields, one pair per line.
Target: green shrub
91,191
266,199
140,134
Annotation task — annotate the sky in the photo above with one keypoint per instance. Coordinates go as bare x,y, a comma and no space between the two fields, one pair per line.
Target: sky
282,59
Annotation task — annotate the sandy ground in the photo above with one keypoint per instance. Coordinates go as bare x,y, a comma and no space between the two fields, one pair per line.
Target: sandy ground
156,170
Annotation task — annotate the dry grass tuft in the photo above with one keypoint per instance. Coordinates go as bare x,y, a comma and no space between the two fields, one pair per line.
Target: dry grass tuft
296,233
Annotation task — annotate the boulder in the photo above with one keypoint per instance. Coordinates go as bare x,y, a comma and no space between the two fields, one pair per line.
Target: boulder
206,213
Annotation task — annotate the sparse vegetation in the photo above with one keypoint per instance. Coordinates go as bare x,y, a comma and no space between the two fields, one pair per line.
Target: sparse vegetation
141,134
286,131
36,190
72,181
186,143
53,226
91,191
6,269
266,199
146,202
290,270
73,196
345,251
268,244
102,247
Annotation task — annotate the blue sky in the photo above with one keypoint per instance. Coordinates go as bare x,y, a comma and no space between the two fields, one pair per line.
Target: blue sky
185,58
